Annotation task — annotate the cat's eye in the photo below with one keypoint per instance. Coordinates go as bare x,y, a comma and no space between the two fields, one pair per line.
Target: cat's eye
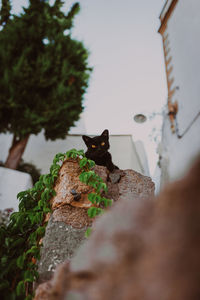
93,146
102,144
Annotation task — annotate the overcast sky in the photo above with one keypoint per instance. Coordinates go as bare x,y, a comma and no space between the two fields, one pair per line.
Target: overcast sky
127,56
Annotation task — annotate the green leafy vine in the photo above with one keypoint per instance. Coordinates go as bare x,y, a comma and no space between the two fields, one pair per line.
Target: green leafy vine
20,240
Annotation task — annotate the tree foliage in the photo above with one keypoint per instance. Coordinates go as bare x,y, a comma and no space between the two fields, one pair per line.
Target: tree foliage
44,72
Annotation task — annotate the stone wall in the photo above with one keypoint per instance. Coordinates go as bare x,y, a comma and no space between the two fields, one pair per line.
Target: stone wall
66,228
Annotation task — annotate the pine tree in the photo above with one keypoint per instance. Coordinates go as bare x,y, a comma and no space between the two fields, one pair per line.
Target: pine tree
44,73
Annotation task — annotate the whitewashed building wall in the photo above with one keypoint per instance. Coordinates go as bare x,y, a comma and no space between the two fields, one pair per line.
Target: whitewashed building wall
180,30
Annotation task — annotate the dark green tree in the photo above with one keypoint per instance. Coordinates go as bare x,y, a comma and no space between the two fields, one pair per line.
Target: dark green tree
44,73
5,11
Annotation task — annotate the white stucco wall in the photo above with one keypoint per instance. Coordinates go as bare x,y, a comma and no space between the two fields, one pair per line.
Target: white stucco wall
183,30
142,156
11,183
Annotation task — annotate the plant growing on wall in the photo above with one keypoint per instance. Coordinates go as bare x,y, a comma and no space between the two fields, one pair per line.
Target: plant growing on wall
20,239
44,73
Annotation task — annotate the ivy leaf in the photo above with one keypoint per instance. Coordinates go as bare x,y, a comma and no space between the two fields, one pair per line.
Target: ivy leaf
28,276
38,185
55,170
33,250
91,163
46,210
83,177
40,231
107,202
53,192
29,297
14,216
4,260
58,157
98,199
71,153
100,211
8,242
17,243
4,284
47,179
20,261
38,218
92,212
92,197
81,153
101,186
33,238
83,162
20,288
45,195
104,187
21,195
88,232
40,204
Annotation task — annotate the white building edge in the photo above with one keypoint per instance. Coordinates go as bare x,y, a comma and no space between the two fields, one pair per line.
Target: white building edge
180,29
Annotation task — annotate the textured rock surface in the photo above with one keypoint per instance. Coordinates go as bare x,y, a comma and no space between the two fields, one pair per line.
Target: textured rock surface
60,242
67,181
73,216
133,185
144,249
66,228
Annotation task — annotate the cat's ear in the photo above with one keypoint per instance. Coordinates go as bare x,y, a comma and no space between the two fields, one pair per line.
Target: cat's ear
86,139
105,133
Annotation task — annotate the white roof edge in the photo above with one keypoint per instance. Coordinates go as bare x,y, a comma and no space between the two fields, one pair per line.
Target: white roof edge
92,134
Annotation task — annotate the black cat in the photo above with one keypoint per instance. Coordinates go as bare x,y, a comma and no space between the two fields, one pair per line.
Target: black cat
98,150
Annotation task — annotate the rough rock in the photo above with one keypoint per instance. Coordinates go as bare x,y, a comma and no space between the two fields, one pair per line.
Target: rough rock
60,242
115,177
102,172
66,228
73,216
68,181
133,185
143,249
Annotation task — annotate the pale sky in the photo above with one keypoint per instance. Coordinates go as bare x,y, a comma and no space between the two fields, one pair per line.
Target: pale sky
127,56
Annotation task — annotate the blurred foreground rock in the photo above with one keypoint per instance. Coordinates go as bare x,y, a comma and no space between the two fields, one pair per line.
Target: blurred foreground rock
139,250
66,228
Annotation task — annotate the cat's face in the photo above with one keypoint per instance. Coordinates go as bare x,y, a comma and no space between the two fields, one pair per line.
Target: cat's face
97,145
